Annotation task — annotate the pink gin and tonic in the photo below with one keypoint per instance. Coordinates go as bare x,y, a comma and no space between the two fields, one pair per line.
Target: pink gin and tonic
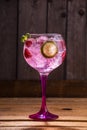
44,52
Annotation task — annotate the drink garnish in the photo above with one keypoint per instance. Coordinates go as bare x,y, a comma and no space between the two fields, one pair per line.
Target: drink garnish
28,35
27,54
28,43
49,49
25,37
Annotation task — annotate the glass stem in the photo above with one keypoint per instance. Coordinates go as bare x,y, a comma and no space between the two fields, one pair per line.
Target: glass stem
43,85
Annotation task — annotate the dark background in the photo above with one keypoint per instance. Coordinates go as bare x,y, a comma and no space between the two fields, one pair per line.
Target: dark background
68,17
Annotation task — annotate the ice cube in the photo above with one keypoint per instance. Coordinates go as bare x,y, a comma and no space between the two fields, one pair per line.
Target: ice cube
41,39
57,37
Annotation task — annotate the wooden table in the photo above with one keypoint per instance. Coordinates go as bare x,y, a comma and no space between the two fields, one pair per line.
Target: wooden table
14,114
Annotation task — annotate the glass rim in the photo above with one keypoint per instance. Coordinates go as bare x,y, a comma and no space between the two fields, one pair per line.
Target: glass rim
46,34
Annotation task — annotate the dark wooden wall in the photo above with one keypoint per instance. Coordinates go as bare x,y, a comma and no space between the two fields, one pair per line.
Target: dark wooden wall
68,17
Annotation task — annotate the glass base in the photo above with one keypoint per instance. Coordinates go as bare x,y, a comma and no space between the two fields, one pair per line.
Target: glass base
43,116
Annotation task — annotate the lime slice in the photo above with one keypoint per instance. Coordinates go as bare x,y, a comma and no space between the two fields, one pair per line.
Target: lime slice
49,49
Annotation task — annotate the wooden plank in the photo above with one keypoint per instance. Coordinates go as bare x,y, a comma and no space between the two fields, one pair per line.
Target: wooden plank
32,19
56,23
8,37
72,110
43,128
86,56
42,124
68,88
76,41
14,114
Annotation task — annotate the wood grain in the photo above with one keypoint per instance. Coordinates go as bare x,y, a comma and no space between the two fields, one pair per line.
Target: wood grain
68,88
8,39
43,128
14,114
76,40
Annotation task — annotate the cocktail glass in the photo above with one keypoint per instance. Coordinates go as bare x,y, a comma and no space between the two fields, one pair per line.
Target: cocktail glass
44,52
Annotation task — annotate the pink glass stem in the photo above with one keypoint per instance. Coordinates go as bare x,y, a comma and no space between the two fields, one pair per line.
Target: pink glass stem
43,85
43,114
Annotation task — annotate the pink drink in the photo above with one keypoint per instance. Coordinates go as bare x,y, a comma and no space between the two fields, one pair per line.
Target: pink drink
34,57
44,52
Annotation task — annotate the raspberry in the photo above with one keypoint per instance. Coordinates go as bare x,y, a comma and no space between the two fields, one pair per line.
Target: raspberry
27,54
63,55
28,43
